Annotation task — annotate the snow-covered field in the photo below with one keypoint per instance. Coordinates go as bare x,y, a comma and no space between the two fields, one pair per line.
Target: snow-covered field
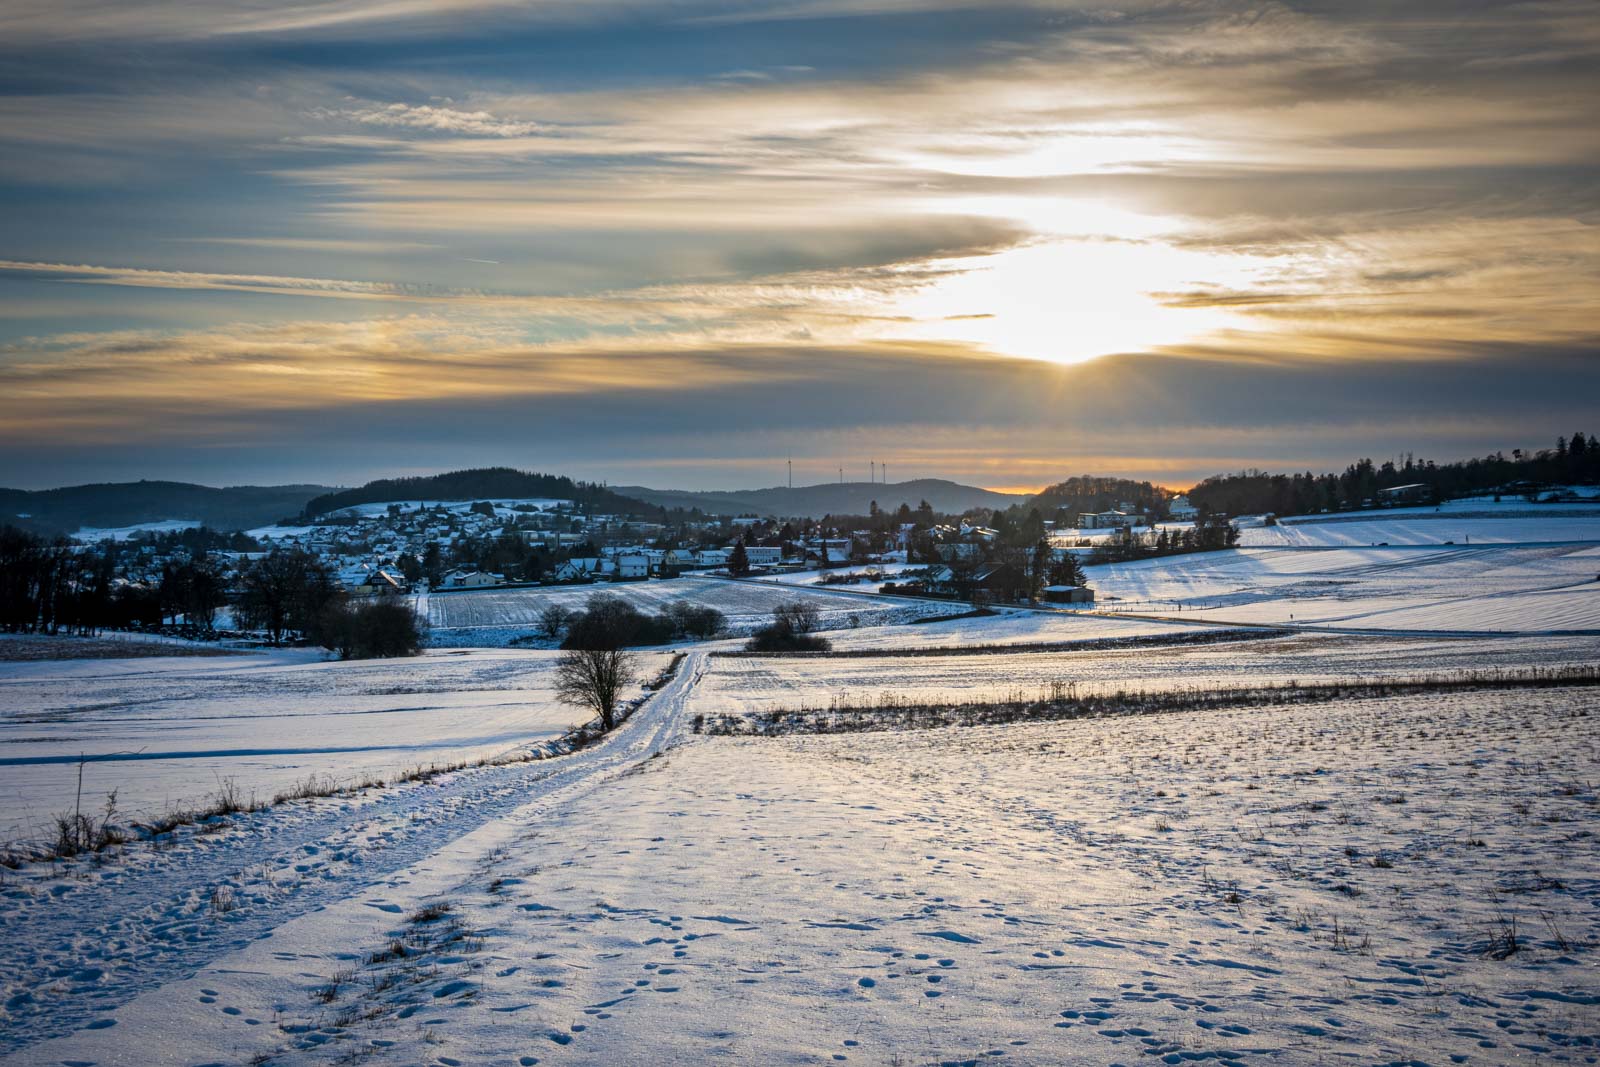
1006,627
1474,521
503,613
736,684
94,534
1494,588
1408,880
166,733
1299,885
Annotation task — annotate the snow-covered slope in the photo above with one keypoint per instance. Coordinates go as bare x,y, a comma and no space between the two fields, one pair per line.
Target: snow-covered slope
167,733
1278,885
1484,588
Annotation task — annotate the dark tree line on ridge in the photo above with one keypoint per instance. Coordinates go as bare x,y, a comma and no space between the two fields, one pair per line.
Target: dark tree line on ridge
1574,461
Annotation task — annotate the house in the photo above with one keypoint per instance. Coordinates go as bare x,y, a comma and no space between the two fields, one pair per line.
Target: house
634,567
1068,594
1000,580
711,557
675,561
763,555
471,580
1416,492
385,583
1181,510
583,569
1107,520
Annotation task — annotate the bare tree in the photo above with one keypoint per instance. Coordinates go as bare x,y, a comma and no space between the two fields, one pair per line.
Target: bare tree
594,678
553,618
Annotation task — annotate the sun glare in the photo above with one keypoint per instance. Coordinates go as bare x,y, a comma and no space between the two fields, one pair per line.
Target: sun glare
1069,300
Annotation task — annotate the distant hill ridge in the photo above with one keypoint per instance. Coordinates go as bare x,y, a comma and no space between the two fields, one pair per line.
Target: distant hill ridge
480,483
828,498
114,504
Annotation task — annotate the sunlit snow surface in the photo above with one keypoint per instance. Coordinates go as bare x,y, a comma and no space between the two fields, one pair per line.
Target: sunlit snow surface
1332,882
166,733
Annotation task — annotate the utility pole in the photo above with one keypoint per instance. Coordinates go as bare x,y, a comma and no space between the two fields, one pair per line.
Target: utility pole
872,475
791,473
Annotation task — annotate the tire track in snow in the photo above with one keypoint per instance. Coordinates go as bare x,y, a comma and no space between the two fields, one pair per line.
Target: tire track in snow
86,948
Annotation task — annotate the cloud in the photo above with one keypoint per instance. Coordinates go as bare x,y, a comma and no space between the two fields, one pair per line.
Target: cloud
431,119
1272,185
342,399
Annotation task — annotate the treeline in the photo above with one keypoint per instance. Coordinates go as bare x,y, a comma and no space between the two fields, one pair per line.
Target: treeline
1207,535
51,586
485,483
243,507
1574,461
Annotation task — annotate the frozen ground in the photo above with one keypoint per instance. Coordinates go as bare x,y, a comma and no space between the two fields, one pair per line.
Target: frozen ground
96,534
1304,885
759,683
1331,883
500,614
1006,627
1488,588
165,733
1462,521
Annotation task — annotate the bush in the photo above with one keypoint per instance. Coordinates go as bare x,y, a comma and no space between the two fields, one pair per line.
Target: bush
609,622
791,630
699,621
375,629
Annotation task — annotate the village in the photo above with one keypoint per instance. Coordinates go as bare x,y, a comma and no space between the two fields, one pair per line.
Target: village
439,547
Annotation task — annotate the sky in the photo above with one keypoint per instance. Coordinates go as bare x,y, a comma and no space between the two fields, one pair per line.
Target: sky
681,242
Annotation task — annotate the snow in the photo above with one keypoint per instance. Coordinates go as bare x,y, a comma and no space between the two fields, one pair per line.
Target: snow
96,534
493,616
1461,522
1292,885
736,685
1006,627
165,733
814,578
1295,884
1524,588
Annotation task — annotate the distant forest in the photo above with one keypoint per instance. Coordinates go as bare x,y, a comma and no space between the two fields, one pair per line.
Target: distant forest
1574,461
485,483
1099,494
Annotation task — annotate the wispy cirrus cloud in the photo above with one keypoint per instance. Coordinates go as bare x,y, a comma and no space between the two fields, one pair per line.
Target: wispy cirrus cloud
431,118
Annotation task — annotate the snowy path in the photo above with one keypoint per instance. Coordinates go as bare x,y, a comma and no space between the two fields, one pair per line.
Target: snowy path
78,948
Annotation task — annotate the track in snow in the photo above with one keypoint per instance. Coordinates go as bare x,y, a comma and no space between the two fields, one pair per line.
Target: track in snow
86,947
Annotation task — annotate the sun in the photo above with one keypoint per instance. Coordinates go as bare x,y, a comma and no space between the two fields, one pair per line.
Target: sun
1070,299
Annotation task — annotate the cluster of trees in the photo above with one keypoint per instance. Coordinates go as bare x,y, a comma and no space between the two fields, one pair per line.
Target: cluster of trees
792,629
288,593
1574,461
372,629
49,585
610,622
41,584
1067,498
1207,535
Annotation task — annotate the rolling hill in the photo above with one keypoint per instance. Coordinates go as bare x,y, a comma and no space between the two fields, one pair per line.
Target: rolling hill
829,498
115,504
